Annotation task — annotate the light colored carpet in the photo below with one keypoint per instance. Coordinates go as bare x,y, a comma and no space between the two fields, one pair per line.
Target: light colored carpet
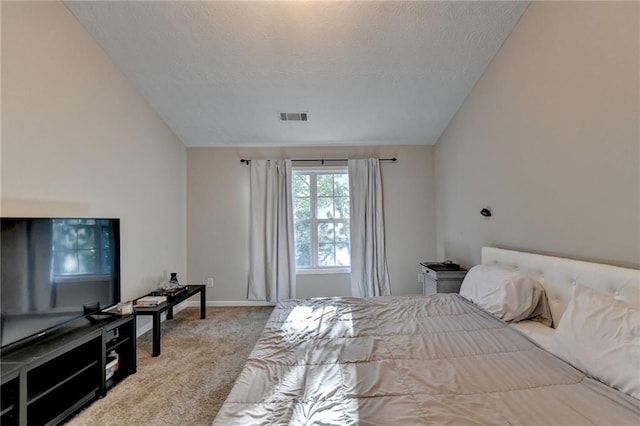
189,381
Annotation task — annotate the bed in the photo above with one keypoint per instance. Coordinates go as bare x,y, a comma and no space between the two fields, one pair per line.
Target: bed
441,359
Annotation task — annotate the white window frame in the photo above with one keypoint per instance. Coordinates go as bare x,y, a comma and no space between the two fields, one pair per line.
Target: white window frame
313,198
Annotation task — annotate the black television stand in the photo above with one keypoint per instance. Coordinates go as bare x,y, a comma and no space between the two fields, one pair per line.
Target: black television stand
100,317
47,381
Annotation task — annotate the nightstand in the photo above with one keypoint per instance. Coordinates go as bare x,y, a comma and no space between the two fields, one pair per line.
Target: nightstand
441,277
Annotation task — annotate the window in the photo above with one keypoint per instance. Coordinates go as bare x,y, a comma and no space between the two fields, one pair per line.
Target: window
81,247
321,219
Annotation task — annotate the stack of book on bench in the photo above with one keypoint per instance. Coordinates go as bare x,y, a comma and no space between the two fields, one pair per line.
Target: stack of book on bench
172,293
150,301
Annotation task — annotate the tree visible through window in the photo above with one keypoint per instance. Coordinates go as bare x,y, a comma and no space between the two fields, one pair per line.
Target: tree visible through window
321,218
81,246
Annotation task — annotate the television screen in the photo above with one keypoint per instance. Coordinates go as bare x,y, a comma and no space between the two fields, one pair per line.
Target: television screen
54,271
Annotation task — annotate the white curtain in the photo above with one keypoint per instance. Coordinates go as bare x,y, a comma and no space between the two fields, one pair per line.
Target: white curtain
369,274
272,274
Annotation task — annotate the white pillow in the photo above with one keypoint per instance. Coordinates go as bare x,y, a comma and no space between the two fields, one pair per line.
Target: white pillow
601,336
509,295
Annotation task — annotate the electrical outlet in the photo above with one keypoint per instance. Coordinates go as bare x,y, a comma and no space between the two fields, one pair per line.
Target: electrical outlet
210,282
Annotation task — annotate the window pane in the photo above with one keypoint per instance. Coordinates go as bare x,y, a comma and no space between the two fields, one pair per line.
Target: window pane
342,231
341,184
86,239
106,251
343,255
302,209
65,238
325,185
87,261
342,207
301,185
58,262
325,208
106,262
69,262
303,254
325,232
326,256
303,232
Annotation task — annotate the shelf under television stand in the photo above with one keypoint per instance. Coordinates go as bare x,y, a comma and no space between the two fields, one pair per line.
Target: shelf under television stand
167,307
48,380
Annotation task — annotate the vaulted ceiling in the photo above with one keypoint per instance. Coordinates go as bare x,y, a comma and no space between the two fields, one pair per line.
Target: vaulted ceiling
220,73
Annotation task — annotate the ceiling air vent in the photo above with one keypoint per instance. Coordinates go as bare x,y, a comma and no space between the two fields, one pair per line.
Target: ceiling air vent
293,116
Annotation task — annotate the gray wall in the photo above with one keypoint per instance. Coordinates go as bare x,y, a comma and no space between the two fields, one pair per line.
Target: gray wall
218,217
549,139
78,140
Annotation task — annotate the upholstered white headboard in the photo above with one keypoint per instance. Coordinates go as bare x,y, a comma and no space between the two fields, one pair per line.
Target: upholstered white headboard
559,275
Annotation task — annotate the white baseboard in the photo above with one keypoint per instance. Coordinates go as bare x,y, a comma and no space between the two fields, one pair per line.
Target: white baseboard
141,329
148,322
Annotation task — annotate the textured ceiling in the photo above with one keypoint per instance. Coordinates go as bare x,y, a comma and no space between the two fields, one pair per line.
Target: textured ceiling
219,73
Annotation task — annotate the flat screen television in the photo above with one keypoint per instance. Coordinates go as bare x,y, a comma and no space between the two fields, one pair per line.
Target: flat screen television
55,271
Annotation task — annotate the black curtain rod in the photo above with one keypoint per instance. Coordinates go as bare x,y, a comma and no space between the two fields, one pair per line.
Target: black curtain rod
323,160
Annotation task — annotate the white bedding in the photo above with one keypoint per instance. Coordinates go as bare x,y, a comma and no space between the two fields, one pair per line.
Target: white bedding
559,276
539,333
410,360
601,336
506,294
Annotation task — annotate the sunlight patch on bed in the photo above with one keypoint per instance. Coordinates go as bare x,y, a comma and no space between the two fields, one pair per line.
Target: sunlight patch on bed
302,318
323,401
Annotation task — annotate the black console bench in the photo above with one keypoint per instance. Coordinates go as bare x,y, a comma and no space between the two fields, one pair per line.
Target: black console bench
47,381
167,307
